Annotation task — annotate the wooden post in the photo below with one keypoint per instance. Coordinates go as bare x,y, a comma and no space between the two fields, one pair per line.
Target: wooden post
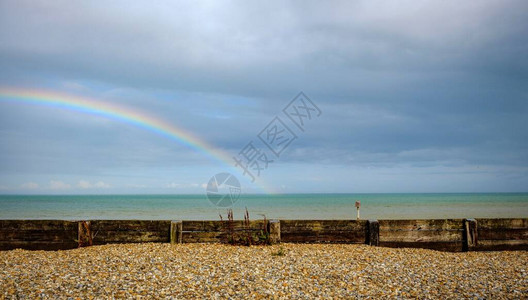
176,232
274,231
373,233
84,235
358,204
470,234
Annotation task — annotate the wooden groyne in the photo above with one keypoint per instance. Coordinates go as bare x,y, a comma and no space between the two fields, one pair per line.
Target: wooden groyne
439,234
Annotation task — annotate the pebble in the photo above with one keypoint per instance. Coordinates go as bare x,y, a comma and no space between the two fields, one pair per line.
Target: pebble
283,271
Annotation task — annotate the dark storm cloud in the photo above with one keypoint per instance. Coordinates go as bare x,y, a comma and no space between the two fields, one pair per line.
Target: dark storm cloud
243,49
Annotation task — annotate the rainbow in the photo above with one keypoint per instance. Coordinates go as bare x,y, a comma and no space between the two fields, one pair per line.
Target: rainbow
124,115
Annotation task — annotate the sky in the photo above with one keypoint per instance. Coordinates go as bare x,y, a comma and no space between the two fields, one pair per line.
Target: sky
399,96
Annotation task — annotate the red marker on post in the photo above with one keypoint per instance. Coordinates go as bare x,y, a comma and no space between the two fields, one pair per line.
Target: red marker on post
358,204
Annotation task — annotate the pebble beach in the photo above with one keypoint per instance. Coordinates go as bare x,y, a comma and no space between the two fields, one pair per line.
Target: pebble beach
278,272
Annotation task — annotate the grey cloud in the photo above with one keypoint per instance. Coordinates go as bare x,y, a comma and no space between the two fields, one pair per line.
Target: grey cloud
403,83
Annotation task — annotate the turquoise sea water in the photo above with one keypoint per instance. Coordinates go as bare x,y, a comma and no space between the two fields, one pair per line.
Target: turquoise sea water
289,206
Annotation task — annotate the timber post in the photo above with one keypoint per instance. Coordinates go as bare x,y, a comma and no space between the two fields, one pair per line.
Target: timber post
274,232
176,232
84,236
373,232
470,234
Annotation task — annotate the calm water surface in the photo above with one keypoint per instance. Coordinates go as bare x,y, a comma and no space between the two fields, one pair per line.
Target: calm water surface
289,206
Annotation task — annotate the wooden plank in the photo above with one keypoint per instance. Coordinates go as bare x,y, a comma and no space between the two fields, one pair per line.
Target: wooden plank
130,231
322,225
130,237
203,237
503,234
119,234
323,236
38,235
164,234
421,236
440,246
502,223
355,234
501,245
320,240
8,225
32,245
129,225
433,224
220,225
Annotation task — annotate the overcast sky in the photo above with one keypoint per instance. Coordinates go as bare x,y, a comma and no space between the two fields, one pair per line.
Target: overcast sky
415,96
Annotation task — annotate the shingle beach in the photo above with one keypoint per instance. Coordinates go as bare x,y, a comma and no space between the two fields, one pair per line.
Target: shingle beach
282,271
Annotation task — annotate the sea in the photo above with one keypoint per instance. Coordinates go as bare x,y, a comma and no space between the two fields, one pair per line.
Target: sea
259,206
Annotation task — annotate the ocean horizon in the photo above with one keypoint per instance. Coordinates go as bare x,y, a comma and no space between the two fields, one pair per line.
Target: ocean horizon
278,206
